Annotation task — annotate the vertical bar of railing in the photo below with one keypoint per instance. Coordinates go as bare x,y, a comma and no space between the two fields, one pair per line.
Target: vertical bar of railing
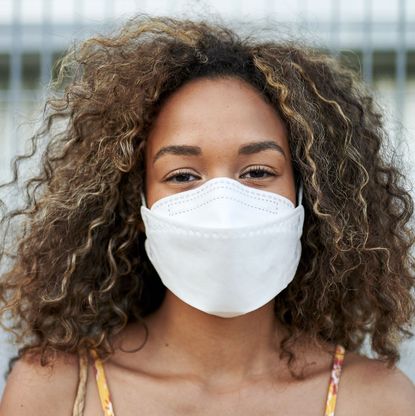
110,15
269,6
400,69
367,44
303,11
236,9
335,27
109,10
16,72
46,48
78,16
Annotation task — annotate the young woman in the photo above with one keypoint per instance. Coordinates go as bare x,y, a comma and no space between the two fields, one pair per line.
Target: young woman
217,229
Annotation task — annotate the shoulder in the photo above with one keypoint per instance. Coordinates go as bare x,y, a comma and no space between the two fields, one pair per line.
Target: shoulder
49,389
369,387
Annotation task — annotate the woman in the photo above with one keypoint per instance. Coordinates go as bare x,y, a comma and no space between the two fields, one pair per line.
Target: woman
216,230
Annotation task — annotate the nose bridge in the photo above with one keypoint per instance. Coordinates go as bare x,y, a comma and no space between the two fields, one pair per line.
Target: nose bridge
220,163
221,171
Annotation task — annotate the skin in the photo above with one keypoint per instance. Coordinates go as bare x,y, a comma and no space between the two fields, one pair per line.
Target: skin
200,115
199,364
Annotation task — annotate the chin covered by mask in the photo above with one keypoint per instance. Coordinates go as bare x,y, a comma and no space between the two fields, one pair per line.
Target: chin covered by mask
224,248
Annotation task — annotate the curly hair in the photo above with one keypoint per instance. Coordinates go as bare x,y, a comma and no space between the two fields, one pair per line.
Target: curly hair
77,272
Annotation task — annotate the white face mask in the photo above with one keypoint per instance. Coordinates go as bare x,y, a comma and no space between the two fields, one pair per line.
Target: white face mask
224,248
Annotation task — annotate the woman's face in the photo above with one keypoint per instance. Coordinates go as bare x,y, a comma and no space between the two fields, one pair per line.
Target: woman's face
215,128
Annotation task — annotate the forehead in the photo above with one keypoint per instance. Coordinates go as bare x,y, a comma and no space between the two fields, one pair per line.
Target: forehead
215,112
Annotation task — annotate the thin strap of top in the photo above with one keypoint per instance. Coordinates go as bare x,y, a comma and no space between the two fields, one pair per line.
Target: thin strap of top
334,380
104,393
79,404
333,389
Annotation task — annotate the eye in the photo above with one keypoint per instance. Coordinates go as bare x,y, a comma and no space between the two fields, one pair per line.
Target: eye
256,172
259,172
180,176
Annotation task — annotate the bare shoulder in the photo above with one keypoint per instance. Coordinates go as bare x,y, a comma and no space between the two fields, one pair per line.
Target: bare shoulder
39,390
368,387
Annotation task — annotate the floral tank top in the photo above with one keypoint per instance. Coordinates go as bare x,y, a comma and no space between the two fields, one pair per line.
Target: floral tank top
333,387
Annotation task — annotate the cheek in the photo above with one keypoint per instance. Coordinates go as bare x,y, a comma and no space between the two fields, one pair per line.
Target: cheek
286,187
151,196
155,192
149,187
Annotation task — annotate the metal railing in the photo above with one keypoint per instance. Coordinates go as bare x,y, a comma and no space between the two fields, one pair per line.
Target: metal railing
328,25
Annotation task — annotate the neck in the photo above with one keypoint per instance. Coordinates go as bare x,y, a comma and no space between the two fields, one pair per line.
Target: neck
231,350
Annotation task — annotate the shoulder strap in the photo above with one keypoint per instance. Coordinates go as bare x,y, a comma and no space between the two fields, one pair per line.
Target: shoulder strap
334,380
104,393
78,408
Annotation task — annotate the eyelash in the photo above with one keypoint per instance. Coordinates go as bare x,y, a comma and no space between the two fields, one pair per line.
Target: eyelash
257,169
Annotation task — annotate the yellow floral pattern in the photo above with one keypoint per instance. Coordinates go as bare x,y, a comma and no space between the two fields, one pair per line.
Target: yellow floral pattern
338,359
104,393
334,380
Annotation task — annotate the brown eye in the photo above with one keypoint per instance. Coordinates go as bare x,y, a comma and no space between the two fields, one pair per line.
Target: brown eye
180,177
259,172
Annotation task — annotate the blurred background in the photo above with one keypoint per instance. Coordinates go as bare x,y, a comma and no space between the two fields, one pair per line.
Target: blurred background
375,37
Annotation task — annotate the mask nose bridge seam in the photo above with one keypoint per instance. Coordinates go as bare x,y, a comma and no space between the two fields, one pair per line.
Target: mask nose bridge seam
202,193
275,211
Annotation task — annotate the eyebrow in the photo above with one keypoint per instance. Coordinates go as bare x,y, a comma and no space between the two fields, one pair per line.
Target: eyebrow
246,149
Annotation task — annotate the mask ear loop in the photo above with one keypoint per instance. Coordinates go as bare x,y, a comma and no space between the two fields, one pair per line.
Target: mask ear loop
300,193
143,199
